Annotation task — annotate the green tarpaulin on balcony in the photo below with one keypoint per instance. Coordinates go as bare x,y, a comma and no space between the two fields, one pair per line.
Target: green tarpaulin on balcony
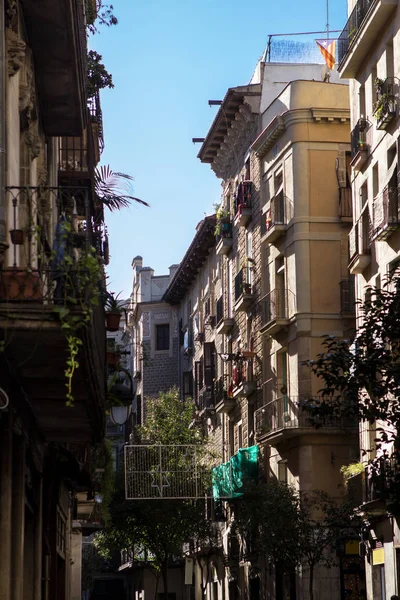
228,479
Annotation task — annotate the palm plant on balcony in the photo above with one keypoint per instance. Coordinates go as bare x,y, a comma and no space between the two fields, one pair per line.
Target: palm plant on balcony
112,189
114,308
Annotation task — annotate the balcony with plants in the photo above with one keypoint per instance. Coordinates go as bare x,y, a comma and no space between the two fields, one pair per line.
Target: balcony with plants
276,308
224,401
243,203
51,291
274,221
361,143
224,323
223,231
385,213
286,416
244,286
363,26
385,107
360,243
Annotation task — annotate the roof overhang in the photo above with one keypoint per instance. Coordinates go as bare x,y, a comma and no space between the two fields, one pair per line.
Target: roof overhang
193,260
234,99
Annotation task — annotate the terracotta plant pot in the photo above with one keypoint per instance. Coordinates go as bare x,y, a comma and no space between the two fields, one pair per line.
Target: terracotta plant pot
20,285
112,321
17,236
112,359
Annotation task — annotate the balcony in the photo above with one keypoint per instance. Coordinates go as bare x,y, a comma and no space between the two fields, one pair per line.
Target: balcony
49,267
224,402
243,383
385,107
274,221
224,239
96,121
243,203
361,142
345,205
360,244
206,401
386,213
360,33
224,324
347,296
275,307
57,36
285,417
244,294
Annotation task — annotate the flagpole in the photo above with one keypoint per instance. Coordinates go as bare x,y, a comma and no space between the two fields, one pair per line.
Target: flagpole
327,19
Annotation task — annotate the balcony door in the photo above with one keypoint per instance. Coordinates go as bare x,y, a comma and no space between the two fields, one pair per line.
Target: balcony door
229,289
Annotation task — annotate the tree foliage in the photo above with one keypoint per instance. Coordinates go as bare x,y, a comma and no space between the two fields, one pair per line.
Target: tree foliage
113,189
156,530
303,531
361,381
98,77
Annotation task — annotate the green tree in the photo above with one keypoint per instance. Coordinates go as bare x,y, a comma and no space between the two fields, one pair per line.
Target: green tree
158,529
361,381
303,531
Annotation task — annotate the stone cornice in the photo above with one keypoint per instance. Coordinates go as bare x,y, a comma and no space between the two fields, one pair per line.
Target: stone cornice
281,123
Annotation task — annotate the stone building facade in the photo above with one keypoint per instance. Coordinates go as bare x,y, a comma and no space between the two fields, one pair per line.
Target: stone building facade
281,226
155,332
46,125
368,49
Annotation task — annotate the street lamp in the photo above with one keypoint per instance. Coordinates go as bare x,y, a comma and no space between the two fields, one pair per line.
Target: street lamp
125,395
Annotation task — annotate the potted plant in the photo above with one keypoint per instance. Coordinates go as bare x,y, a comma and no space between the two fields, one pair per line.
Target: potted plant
17,236
223,225
114,309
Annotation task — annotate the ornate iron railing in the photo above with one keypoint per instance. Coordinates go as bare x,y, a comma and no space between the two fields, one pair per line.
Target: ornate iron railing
243,282
353,25
287,412
360,236
51,226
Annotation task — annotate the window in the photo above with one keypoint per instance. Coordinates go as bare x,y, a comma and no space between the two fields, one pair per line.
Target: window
238,434
374,75
61,531
282,471
361,102
162,337
187,384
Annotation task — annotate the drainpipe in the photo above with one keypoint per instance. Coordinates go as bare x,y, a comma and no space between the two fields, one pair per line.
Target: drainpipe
3,132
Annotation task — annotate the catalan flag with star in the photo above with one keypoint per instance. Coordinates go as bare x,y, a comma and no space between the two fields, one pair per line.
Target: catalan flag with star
328,51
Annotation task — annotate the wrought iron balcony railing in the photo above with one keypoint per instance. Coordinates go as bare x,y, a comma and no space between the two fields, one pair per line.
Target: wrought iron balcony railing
386,213
360,236
220,309
361,136
243,282
287,412
96,117
50,228
243,197
353,25
279,213
274,306
385,107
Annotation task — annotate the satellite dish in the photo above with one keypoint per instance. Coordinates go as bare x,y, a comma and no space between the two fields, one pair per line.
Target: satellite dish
4,400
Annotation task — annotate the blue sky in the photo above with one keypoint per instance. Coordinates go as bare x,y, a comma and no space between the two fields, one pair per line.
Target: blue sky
168,58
